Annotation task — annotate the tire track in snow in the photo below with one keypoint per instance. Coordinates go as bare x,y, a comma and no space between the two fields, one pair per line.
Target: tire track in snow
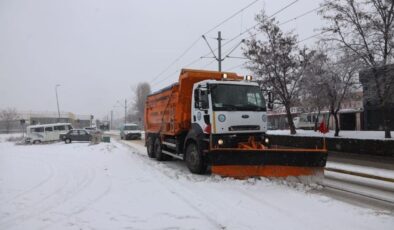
175,190
30,189
63,193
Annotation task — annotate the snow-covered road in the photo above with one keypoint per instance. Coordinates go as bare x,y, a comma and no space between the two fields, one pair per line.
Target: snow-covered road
116,186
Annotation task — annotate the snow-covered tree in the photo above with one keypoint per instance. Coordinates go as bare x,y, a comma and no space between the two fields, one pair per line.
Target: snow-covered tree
278,61
365,29
7,116
141,91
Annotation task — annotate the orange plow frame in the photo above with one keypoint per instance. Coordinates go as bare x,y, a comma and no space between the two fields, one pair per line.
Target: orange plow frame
252,159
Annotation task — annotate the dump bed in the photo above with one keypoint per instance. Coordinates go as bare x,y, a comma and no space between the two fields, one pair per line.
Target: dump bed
168,111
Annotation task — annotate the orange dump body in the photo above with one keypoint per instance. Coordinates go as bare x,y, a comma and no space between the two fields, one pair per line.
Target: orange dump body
169,111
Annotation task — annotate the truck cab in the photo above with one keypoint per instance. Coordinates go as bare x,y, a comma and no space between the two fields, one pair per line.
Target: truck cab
231,111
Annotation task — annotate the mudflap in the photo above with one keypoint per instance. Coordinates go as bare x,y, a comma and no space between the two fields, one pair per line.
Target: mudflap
267,163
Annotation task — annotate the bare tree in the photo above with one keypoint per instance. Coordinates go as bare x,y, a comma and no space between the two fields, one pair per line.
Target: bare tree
339,81
8,116
278,61
366,29
142,90
313,95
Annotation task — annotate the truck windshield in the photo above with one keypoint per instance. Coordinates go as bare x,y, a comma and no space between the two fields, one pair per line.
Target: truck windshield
226,97
131,127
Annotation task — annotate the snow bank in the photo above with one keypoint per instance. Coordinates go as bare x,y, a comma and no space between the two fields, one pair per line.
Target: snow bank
373,135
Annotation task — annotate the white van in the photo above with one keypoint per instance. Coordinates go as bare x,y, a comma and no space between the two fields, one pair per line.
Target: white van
48,132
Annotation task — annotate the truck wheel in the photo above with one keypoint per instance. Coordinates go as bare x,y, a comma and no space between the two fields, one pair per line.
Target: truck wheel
194,159
67,141
36,142
150,147
160,156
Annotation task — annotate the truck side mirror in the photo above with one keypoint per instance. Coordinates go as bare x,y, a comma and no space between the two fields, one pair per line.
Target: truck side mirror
270,100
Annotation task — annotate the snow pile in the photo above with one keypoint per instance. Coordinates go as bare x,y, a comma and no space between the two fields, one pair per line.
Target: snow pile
374,135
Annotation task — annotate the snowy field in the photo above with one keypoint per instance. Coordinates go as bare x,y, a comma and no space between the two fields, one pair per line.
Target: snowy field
116,186
375,135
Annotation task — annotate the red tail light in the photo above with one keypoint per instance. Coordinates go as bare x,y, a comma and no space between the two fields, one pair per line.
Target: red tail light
207,129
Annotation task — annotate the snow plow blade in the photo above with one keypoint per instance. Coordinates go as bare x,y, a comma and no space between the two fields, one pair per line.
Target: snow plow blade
241,163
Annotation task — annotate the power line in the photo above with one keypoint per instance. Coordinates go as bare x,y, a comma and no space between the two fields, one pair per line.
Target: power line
252,27
301,15
230,17
312,36
176,59
293,19
232,39
235,67
198,39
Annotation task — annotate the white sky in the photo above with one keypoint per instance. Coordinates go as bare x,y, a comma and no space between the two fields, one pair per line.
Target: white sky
97,50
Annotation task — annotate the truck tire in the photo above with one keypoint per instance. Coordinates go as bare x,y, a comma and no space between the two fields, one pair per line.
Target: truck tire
67,141
160,156
194,160
150,147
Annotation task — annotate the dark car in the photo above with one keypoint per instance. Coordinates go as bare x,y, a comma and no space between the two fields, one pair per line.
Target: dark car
76,135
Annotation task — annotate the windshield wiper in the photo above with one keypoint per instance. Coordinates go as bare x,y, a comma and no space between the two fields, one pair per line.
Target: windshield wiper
251,107
229,107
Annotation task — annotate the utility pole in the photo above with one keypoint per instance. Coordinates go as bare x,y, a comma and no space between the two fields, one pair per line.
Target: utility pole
219,56
125,111
110,124
219,59
57,101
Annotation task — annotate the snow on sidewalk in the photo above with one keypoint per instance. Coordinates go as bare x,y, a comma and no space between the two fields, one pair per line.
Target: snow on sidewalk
112,186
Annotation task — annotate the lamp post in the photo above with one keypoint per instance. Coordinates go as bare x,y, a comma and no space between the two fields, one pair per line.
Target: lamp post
57,101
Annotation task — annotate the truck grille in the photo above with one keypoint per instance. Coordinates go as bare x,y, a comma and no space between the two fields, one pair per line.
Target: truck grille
244,127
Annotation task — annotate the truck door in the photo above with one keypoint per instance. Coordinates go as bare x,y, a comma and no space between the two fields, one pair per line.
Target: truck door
200,109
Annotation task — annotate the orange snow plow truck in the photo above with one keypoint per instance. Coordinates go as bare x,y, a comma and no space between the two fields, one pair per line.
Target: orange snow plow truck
218,120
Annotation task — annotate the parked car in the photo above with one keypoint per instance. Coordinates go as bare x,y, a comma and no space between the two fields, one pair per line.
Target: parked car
76,135
91,129
130,131
44,133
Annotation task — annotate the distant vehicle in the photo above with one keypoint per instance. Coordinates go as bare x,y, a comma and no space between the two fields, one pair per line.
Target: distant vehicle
91,129
306,121
76,135
130,131
44,133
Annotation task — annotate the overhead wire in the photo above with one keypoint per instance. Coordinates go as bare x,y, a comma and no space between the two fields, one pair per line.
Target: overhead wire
198,39
229,41
252,27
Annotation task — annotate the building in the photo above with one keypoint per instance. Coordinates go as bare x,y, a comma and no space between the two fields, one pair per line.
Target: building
373,119
351,115
25,118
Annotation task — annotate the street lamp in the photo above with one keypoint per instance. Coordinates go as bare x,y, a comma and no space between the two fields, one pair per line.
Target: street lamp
57,101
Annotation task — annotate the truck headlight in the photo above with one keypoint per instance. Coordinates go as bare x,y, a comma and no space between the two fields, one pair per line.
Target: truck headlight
220,142
264,118
266,140
222,118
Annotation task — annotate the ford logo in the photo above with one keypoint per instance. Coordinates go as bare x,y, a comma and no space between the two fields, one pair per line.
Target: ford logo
245,116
